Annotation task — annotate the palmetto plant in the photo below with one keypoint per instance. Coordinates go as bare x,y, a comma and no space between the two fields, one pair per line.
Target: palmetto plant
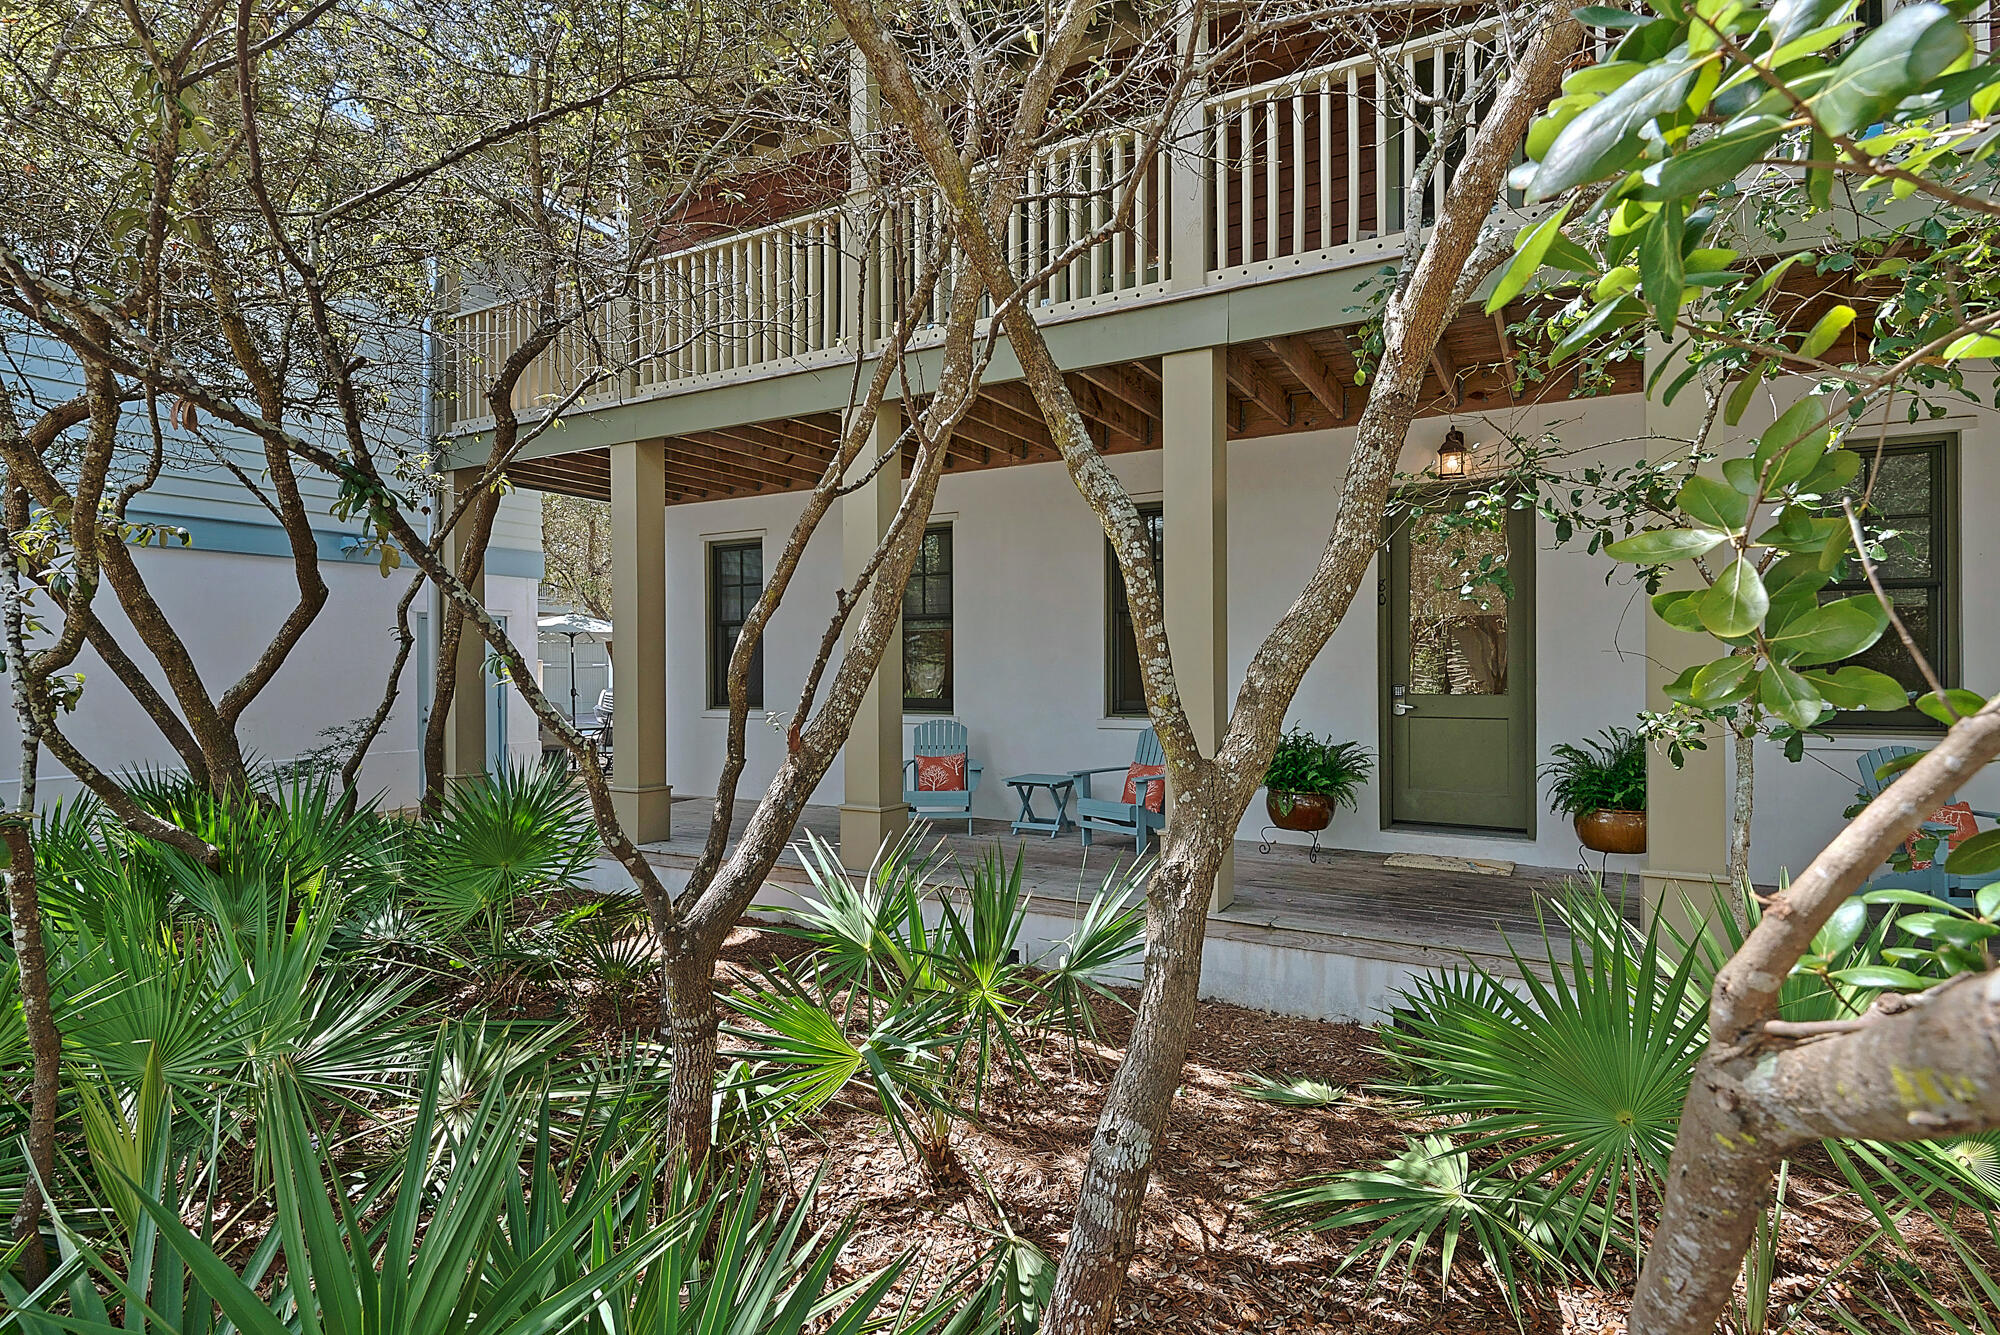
1428,1193
518,832
920,994
1579,1075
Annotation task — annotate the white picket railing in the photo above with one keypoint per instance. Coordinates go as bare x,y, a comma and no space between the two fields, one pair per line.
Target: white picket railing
1299,167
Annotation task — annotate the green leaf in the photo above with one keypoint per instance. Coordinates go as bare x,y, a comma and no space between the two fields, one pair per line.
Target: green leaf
1661,267
1972,345
1737,602
1681,689
1658,545
1913,46
1722,682
1881,975
1962,702
1977,856
1789,696
1679,608
1859,688
1528,253
1830,327
1986,899
1913,898
1829,633
1603,16
1842,930
1713,504
1605,136
1708,164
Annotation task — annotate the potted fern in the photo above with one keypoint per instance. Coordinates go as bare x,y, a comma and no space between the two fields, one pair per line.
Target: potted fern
1600,785
1309,776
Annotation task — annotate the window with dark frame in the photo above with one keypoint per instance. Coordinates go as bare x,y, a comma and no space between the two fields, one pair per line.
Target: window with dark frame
1908,486
927,684
735,581
1125,683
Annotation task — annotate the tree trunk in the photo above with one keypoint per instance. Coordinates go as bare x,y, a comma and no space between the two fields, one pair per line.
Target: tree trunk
687,1006
1112,1197
24,907
1743,797
1912,1068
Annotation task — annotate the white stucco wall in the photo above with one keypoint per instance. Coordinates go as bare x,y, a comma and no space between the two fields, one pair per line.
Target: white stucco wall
1029,626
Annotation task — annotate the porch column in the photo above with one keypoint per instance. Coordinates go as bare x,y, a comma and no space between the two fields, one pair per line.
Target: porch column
640,793
1195,505
872,809
1687,809
465,722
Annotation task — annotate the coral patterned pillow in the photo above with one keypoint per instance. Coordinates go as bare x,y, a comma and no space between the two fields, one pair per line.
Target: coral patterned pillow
1963,824
1156,793
941,774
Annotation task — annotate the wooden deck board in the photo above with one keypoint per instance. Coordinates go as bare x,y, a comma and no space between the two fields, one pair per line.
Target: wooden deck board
1346,901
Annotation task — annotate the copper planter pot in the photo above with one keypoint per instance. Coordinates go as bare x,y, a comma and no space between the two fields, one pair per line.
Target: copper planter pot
1309,812
1608,831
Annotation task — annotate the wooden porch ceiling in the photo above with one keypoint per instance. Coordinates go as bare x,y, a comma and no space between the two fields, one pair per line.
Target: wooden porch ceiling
1304,382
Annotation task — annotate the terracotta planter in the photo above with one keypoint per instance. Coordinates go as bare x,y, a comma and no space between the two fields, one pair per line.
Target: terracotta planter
1309,811
1608,831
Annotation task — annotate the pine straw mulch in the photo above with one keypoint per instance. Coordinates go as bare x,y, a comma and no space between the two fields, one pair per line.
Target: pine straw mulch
1205,1262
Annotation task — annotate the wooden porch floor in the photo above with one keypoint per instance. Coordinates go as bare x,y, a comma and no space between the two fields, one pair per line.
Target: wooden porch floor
1346,901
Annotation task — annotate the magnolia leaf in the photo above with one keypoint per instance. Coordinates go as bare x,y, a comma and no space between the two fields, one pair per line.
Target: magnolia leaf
1711,162
1828,634
1658,545
1679,608
1602,139
1859,688
1789,696
1962,702
1722,682
1842,930
1881,975
1603,16
1529,251
1913,45
1830,327
1737,602
1742,475
1661,268
1681,689
1972,345
1713,504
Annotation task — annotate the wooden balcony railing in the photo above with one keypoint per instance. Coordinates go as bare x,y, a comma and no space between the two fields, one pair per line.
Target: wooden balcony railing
1309,167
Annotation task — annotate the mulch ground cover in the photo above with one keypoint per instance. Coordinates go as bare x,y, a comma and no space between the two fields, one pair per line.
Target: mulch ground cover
1206,1260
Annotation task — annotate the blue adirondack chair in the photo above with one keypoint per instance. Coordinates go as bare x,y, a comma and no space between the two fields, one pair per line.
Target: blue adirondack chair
1937,878
941,737
1119,817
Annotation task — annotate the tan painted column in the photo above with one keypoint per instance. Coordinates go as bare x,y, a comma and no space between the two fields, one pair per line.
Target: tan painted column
1687,809
872,809
465,730
640,793
1195,504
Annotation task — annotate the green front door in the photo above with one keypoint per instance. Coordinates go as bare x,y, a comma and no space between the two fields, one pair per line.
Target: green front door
1458,675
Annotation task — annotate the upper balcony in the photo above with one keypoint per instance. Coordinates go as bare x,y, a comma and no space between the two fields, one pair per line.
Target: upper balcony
1308,173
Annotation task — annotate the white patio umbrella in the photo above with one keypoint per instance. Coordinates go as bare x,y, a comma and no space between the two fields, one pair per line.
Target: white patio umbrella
573,624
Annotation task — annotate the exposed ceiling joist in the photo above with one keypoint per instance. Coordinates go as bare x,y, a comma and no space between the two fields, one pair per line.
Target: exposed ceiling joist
1447,370
1255,384
1312,371
1127,388
1115,413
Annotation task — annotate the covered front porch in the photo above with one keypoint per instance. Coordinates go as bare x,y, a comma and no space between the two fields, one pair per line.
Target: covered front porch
1333,937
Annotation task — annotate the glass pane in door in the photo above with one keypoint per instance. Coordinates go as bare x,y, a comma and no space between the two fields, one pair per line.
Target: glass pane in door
1458,609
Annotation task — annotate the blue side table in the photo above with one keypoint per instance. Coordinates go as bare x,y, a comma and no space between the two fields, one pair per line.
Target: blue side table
1060,787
